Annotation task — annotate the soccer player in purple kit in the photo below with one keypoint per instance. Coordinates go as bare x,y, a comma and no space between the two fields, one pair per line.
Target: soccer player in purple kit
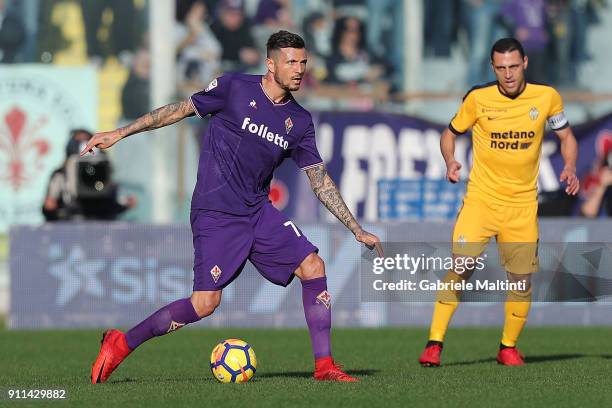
255,124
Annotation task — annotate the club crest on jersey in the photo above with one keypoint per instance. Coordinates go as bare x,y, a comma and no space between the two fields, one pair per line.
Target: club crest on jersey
533,113
212,85
288,124
216,273
253,104
325,298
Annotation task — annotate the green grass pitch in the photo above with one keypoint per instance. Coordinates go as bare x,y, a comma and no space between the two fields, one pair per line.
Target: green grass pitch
566,367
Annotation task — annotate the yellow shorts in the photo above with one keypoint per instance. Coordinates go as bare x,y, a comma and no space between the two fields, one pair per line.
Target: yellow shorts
515,229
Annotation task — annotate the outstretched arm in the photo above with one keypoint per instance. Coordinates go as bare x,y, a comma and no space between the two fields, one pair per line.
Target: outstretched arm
164,116
326,191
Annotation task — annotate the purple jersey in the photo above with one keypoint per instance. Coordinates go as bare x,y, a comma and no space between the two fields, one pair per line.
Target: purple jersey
248,137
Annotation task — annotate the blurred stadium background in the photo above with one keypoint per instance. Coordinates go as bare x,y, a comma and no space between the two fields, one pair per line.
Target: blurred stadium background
384,78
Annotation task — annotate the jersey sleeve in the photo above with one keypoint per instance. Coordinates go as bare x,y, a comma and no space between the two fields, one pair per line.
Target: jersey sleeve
306,154
556,116
212,99
465,117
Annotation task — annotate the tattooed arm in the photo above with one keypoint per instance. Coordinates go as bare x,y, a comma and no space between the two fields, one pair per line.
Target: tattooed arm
164,116
326,191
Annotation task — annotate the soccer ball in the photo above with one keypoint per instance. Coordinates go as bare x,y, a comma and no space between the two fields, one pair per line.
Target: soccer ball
233,360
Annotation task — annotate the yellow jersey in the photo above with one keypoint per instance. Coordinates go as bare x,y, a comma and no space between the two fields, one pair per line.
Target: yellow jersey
507,135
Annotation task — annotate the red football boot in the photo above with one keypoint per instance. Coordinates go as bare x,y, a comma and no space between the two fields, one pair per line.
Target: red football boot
113,351
431,355
327,370
510,356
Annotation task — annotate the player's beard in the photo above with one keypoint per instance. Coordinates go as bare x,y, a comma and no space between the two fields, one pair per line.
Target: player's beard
285,86
520,87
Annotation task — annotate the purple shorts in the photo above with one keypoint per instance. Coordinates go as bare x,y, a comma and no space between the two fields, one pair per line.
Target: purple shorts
223,242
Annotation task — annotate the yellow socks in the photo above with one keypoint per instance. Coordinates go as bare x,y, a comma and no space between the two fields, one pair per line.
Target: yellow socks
444,308
517,309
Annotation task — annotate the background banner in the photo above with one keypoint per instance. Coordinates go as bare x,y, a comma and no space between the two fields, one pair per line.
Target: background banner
362,149
108,275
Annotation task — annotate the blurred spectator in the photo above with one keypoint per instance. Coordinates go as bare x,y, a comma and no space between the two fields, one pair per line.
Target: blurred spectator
135,95
12,33
233,32
317,34
82,188
270,17
480,17
198,49
275,14
122,34
350,62
597,187
526,21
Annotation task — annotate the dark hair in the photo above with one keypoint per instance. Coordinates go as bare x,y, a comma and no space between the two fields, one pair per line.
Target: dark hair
74,146
74,132
507,45
283,39
340,27
183,7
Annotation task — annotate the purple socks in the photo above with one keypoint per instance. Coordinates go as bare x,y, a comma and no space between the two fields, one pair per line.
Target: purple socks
167,319
317,310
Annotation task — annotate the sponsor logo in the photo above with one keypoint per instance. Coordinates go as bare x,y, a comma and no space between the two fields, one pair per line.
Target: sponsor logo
492,117
77,273
512,140
262,131
216,273
324,298
533,113
288,124
253,104
485,110
124,280
212,85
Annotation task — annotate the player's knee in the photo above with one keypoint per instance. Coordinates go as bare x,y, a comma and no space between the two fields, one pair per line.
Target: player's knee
205,304
312,267
521,283
464,266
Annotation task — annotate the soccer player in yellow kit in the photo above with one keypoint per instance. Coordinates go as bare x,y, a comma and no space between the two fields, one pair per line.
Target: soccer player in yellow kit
507,118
